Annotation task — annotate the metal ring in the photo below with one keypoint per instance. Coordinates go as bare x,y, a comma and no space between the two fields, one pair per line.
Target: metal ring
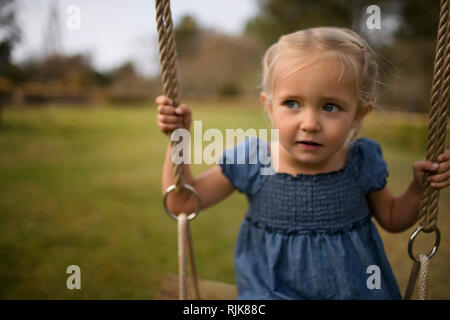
413,236
188,187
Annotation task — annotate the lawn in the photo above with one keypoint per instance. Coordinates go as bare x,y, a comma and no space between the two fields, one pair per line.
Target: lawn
82,185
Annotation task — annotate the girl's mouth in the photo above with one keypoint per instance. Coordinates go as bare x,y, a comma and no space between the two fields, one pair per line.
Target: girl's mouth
309,145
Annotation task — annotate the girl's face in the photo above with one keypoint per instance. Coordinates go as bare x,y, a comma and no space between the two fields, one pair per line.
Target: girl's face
314,109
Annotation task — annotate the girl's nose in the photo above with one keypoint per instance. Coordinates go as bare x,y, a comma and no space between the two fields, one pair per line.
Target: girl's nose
309,121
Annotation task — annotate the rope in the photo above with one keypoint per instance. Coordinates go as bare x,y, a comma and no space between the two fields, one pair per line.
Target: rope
437,126
421,269
424,276
182,228
192,265
437,130
412,280
167,56
185,244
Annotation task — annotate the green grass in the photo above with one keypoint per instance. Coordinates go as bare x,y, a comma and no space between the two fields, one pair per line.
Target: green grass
82,186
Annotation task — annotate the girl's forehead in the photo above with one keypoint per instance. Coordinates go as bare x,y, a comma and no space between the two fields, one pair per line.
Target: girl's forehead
334,69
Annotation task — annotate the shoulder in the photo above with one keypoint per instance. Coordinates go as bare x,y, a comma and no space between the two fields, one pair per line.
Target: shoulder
365,151
368,164
366,146
244,164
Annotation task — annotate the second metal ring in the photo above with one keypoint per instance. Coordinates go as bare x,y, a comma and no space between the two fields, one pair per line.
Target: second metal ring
188,187
413,236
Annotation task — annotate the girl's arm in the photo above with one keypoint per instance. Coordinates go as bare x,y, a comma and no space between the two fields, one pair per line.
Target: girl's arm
397,214
212,186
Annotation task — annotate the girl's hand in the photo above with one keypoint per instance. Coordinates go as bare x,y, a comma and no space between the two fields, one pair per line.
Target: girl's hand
439,174
170,118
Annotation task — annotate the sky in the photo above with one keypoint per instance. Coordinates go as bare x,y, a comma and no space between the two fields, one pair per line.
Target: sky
115,31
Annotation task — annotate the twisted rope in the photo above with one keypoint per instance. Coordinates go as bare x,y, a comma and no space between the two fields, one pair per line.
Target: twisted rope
437,126
185,244
167,55
437,131
190,248
424,276
182,228
421,270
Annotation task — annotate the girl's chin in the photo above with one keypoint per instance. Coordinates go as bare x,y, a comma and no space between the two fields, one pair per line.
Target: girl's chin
312,161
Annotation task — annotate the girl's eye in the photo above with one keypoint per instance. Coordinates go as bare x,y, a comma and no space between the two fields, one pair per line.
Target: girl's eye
331,107
291,104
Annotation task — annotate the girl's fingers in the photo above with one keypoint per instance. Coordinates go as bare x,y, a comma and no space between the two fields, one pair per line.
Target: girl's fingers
168,119
443,167
425,165
439,177
167,127
440,185
444,163
163,100
169,110
182,109
444,157
166,109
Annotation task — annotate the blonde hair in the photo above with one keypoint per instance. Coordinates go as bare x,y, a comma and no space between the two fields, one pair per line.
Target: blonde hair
344,45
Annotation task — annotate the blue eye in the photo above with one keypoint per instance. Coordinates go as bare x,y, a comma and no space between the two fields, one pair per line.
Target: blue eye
291,104
331,107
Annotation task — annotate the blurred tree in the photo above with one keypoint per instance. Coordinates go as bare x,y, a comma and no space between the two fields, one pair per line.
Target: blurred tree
74,70
9,36
186,35
207,60
124,73
99,78
125,77
221,64
278,17
418,25
419,18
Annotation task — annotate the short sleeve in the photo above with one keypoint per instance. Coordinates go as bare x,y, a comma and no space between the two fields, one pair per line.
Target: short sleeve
368,164
242,165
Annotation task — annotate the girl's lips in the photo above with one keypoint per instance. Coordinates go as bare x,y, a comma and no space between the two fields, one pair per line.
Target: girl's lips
309,145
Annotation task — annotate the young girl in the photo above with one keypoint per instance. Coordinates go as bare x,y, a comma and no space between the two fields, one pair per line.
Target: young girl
308,232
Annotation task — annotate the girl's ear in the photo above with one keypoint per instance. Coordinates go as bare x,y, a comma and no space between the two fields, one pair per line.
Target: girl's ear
362,112
267,106
265,101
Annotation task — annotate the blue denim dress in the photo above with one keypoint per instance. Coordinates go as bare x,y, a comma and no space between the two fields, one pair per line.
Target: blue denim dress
309,236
